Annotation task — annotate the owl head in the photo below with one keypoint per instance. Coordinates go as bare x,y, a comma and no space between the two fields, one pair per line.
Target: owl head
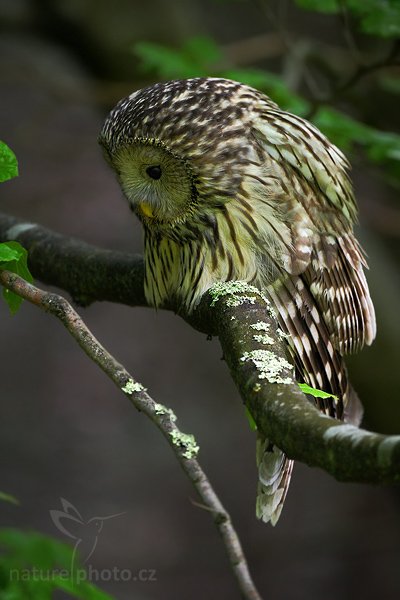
181,145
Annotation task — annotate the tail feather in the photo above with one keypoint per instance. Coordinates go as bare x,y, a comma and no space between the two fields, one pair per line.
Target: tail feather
274,472
353,412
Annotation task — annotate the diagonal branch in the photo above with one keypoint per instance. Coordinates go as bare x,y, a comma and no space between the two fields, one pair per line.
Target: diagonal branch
282,413
183,445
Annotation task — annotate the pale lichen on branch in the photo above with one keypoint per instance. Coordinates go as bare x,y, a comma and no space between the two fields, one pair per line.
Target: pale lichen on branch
269,365
263,338
237,293
185,441
132,386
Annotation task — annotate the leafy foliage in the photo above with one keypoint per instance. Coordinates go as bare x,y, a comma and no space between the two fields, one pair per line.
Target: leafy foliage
380,146
194,59
14,257
8,163
200,57
376,17
34,566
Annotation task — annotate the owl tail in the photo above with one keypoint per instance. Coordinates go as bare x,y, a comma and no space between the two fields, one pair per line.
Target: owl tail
275,469
274,472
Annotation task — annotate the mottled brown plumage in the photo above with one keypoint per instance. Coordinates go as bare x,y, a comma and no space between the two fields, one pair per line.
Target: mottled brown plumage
228,186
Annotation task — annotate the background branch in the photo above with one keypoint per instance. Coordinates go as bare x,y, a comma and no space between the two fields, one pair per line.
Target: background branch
281,411
87,272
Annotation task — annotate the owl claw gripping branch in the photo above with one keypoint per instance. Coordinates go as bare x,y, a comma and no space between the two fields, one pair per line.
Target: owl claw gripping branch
230,187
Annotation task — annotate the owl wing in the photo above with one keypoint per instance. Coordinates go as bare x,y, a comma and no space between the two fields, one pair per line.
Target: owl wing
321,294
323,256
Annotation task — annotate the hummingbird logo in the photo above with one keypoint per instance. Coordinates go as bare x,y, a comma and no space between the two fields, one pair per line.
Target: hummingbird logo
85,532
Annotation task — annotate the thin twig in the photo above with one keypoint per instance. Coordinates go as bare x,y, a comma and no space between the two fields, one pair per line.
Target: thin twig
348,33
183,446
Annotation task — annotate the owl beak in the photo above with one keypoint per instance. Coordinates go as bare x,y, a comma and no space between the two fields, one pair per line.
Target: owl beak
146,209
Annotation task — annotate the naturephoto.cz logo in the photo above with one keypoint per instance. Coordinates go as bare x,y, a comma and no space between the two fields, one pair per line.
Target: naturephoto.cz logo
89,574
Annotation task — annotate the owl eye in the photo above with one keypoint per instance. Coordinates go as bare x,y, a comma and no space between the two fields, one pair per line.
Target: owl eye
154,171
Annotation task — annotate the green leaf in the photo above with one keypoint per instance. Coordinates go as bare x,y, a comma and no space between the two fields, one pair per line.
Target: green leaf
380,146
81,589
377,17
9,253
374,17
194,59
202,50
8,163
9,498
249,416
34,566
14,258
164,62
13,300
29,548
306,389
340,128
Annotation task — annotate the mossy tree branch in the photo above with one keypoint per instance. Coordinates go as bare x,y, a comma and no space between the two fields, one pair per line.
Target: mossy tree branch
280,409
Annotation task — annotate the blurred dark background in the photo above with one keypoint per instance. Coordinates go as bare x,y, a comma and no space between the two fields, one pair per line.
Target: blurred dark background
65,431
